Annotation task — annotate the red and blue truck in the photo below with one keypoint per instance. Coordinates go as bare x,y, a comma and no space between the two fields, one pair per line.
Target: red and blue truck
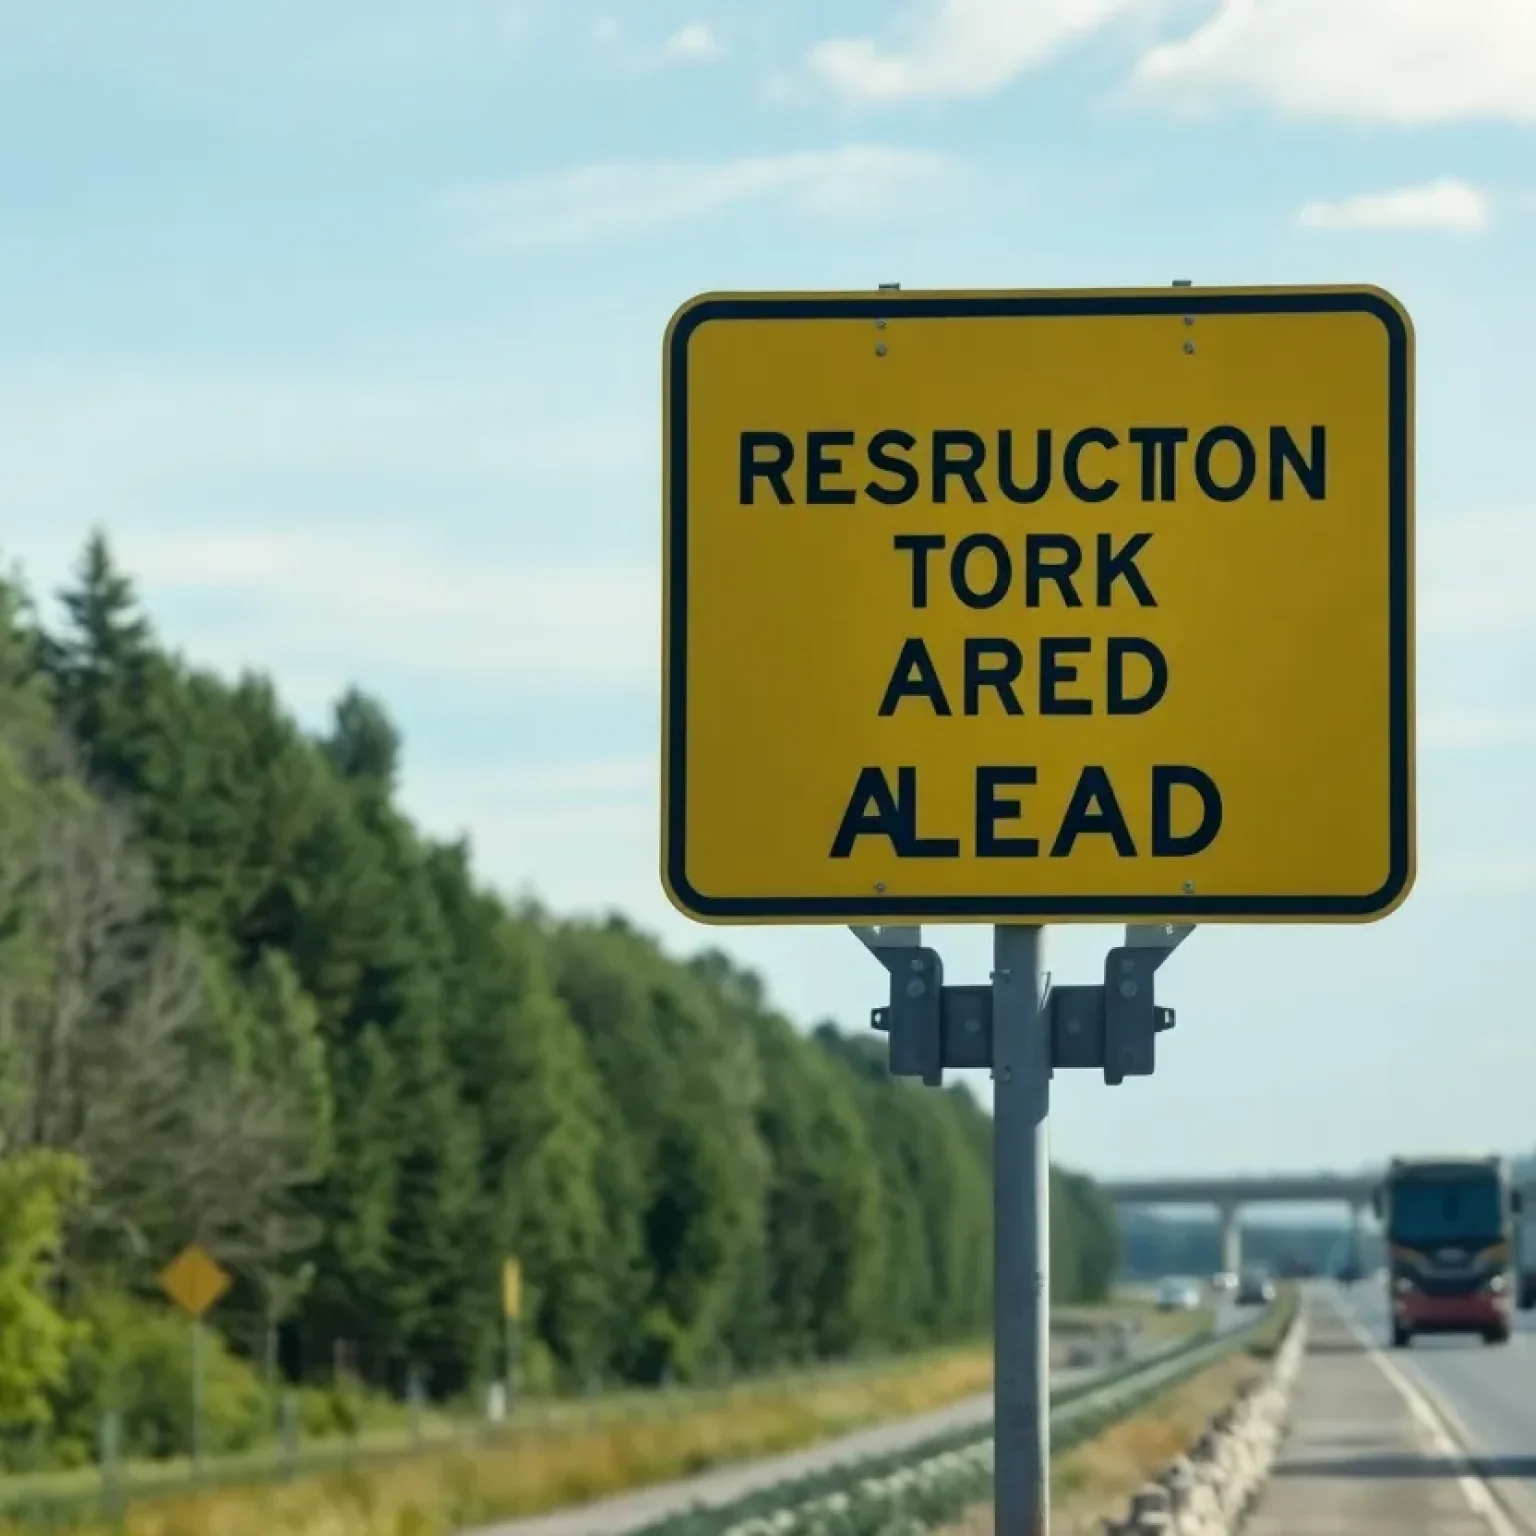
1450,1225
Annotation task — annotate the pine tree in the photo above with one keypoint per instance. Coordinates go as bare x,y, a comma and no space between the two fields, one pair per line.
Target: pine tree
108,677
542,1116
270,1014
364,745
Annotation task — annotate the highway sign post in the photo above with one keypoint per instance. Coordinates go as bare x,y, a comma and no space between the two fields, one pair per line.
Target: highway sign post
511,1308
196,1282
1017,608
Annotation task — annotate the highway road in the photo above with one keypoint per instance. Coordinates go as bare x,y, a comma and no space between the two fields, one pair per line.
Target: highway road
1486,1393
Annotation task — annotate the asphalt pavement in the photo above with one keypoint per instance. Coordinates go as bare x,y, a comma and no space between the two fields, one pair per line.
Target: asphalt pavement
1485,1392
1360,1456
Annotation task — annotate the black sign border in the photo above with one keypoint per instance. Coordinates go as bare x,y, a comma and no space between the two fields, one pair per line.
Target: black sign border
1194,907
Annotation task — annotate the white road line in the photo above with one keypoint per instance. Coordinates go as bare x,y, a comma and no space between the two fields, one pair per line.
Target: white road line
1436,1422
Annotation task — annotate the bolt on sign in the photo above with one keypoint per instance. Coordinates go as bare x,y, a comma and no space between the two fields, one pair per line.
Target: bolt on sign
1039,607
195,1280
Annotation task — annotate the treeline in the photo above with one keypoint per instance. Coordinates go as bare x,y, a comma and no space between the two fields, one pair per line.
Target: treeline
244,1002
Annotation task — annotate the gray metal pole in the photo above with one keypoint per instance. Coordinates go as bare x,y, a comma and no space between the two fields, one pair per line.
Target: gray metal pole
1021,1098
197,1394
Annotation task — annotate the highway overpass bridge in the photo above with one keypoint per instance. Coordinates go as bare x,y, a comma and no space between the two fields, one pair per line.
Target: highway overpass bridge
1228,1197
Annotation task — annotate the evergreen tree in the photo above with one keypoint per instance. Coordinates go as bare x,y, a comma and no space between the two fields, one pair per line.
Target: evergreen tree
543,1120
242,990
364,745
109,679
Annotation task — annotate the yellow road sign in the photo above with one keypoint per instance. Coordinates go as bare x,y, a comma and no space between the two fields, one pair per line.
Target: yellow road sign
511,1288
1034,607
194,1280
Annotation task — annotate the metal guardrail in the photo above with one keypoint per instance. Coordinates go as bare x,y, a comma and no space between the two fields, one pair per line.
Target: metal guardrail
1081,1414
1175,1348
1078,1414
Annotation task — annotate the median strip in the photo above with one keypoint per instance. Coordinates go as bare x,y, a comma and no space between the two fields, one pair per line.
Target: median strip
924,1487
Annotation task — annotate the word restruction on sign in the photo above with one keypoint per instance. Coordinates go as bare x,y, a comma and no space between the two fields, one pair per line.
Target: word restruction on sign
1225,465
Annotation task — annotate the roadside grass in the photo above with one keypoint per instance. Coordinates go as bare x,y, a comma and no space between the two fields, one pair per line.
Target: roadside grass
1094,1481
449,1430
562,1454
534,1470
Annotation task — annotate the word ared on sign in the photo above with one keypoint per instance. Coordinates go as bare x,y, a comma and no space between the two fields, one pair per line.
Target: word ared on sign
1013,607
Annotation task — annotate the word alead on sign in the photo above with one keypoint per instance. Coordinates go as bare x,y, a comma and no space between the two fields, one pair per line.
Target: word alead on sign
1039,606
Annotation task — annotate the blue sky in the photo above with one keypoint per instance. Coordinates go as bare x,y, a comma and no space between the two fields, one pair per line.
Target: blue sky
345,320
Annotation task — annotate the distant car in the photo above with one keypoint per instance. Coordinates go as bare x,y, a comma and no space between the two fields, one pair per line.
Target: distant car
1255,1289
1224,1280
1178,1296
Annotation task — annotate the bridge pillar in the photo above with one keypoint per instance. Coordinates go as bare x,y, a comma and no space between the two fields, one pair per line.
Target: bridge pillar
1229,1227
1357,1237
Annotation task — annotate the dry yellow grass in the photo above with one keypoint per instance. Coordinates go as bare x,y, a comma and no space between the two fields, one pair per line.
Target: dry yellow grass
437,1494
1097,1479
442,1492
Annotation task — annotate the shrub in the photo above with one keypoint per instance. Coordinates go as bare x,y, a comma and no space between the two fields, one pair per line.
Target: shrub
136,1358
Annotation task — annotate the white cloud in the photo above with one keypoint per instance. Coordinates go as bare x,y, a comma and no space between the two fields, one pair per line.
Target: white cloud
1484,874
1396,61
1474,576
329,526
693,44
517,18
598,202
1495,603
1485,730
336,603
1449,205
632,780
960,48
120,440
580,833
330,65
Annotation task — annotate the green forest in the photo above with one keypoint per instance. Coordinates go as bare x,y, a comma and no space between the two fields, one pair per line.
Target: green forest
245,1002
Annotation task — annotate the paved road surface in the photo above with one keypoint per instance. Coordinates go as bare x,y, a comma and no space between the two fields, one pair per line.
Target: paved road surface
1358,1461
1487,1393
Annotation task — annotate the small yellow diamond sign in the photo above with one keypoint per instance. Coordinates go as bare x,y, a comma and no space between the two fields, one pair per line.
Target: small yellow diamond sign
511,1288
194,1280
